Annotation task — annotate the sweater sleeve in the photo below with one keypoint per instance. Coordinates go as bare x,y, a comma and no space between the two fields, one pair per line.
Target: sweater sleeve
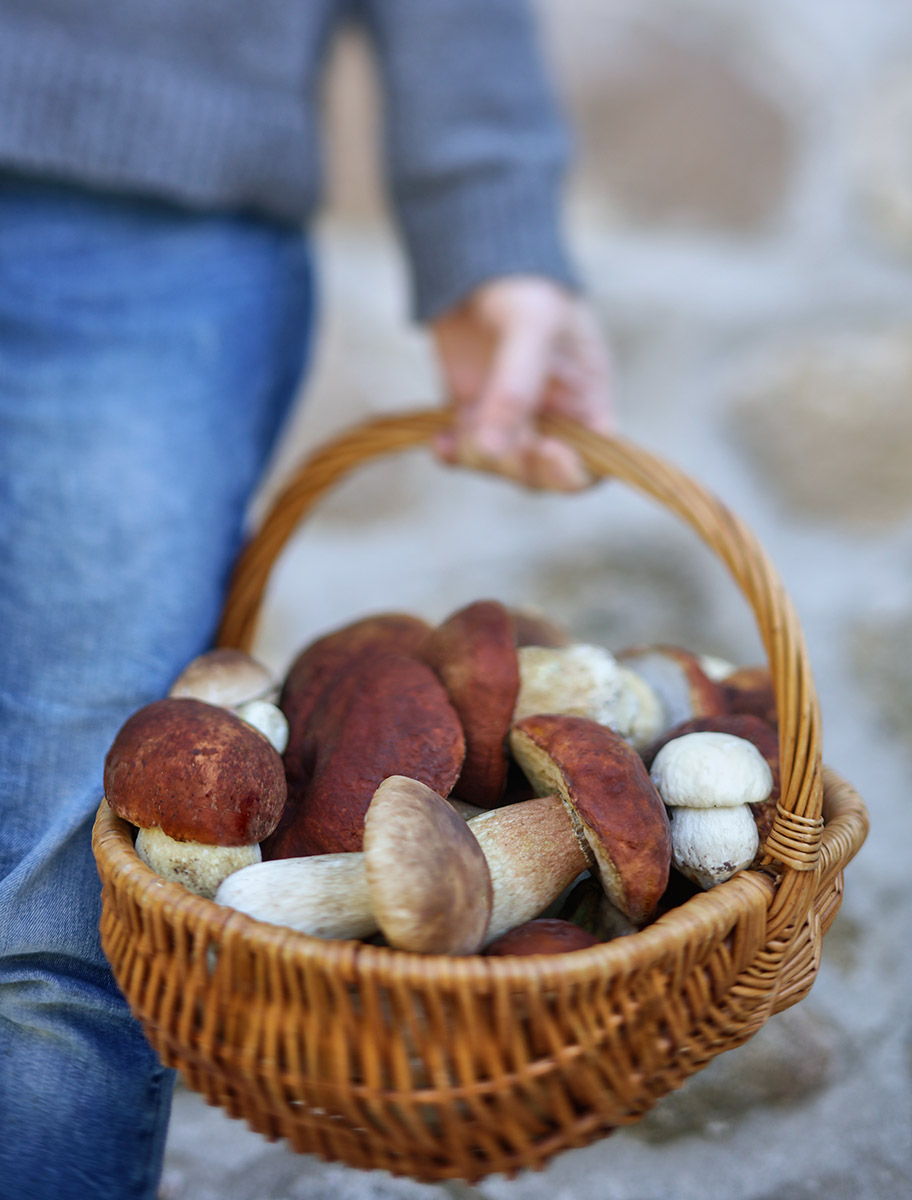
475,147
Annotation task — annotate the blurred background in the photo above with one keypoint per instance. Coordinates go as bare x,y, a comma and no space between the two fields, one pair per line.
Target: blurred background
741,211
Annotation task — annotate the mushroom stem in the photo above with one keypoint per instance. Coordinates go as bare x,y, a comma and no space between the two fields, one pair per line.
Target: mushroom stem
325,895
533,855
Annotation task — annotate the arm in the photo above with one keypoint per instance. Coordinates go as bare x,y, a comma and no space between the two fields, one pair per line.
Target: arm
476,154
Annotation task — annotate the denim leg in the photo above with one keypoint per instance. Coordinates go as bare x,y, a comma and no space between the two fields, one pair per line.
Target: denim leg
147,359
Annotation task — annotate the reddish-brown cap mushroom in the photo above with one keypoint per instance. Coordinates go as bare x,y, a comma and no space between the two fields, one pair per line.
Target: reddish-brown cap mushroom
383,715
325,659
615,808
474,654
545,935
195,771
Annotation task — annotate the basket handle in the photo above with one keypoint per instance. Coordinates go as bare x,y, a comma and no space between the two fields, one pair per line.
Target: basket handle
793,845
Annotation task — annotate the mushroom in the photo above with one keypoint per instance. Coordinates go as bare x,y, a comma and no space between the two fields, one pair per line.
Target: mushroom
429,882
709,779
678,679
321,663
233,679
583,680
474,655
385,714
750,690
742,725
615,810
710,845
204,785
546,935
422,880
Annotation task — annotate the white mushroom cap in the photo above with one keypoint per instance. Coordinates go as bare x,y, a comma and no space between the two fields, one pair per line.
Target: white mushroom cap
225,677
325,895
581,680
711,770
710,845
267,719
199,867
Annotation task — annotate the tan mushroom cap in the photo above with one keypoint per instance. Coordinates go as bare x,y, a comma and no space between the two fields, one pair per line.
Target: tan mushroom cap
618,814
429,882
224,676
195,771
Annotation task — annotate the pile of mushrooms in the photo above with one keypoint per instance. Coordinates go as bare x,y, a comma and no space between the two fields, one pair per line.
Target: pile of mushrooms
485,785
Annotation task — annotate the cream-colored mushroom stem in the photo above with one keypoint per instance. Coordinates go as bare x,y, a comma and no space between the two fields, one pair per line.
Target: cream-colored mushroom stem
531,849
533,855
325,895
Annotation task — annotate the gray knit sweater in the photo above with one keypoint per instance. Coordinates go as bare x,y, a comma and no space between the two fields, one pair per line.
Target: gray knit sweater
214,104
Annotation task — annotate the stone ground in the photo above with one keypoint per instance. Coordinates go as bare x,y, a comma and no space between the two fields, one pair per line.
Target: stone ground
759,300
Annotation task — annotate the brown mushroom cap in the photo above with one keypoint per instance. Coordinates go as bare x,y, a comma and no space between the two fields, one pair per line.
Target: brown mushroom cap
474,654
545,935
611,799
429,881
195,771
325,659
749,690
384,715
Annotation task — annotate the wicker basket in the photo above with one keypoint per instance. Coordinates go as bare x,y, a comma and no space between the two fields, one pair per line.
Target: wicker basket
439,1067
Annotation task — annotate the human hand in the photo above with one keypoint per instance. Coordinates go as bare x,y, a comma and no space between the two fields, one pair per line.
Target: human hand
516,348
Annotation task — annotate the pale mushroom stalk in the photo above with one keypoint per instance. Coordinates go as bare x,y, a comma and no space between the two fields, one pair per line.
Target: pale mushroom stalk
533,855
325,895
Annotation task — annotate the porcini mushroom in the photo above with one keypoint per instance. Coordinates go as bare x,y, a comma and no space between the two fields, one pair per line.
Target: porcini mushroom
235,680
709,780
429,882
474,654
224,676
616,812
533,855
677,677
202,780
545,935
584,680
324,895
422,880
387,714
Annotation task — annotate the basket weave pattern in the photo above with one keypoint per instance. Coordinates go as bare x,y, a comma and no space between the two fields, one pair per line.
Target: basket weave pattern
439,1067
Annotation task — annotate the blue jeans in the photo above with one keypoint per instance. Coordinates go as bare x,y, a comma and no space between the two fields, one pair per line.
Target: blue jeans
148,357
